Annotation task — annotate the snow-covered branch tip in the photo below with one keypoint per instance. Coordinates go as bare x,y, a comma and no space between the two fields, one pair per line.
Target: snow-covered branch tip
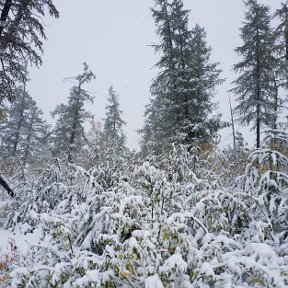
200,224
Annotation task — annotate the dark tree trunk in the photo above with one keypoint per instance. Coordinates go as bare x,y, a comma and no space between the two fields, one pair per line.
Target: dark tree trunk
4,15
19,126
258,92
30,131
233,125
276,106
74,126
286,39
258,131
6,186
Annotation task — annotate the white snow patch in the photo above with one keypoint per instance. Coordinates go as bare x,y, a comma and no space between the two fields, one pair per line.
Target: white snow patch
23,241
207,269
153,282
176,263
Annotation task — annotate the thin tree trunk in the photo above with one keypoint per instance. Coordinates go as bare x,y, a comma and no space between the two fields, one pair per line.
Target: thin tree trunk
15,23
258,93
286,38
274,124
186,99
74,126
27,148
4,183
114,117
275,114
258,129
4,15
171,48
19,126
233,126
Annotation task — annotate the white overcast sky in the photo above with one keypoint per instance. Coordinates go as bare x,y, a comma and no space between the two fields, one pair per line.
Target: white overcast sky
113,37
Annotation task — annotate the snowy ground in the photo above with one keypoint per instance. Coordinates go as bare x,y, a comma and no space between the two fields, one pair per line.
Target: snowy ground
18,241
14,245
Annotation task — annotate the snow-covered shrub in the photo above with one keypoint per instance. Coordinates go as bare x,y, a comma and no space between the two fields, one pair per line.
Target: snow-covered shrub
174,222
266,185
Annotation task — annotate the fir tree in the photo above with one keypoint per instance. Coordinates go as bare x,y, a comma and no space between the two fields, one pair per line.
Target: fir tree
182,91
69,130
255,87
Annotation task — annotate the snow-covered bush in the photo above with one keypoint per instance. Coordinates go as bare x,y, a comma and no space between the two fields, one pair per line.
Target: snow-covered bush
266,186
172,223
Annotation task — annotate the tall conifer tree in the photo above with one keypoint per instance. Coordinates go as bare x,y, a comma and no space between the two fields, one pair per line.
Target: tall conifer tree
113,133
255,87
182,91
69,130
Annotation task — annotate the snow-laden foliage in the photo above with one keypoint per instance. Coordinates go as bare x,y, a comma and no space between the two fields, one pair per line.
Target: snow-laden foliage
168,224
265,184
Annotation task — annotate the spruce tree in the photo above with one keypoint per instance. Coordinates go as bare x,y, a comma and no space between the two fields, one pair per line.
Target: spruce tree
113,133
69,131
182,91
255,87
